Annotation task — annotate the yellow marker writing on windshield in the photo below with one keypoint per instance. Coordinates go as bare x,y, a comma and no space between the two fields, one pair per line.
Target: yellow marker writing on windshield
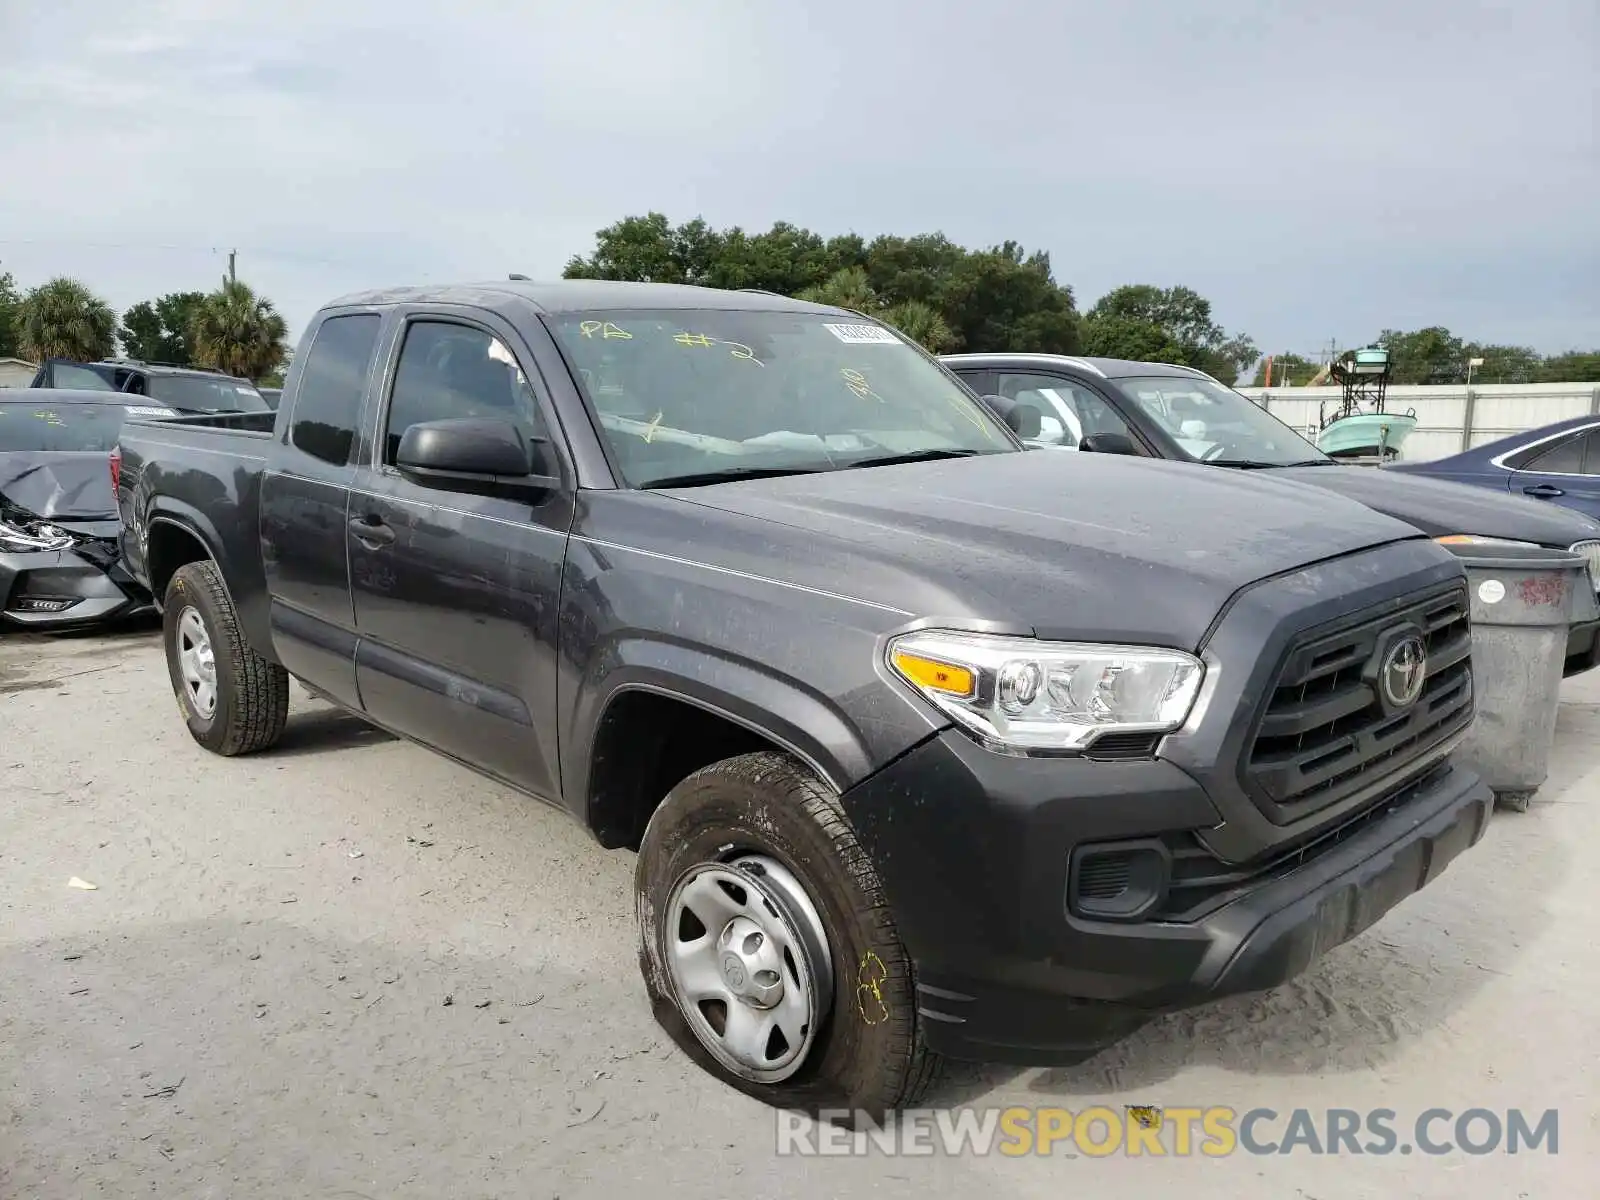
693,339
857,383
649,434
590,328
614,331
740,351
966,411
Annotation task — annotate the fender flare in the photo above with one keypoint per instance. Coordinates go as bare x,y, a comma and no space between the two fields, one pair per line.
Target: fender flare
794,718
178,515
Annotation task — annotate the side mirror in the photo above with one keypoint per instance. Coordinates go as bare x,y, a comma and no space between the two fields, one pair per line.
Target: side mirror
1022,419
1108,443
471,455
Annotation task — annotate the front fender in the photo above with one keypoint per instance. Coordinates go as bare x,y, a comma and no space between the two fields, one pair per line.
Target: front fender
828,734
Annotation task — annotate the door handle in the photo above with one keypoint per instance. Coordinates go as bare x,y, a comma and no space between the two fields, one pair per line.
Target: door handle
1543,490
371,532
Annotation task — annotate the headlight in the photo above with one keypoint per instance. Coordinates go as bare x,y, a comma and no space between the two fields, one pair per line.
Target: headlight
1473,539
22,542
1026,695
1588,551
1591,555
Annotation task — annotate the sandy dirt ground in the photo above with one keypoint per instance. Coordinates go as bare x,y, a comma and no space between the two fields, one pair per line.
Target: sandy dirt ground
348,968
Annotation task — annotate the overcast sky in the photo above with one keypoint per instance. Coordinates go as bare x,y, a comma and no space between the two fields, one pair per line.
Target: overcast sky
1319,170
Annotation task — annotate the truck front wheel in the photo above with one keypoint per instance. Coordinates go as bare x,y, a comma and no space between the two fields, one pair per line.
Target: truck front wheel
768,947
233,700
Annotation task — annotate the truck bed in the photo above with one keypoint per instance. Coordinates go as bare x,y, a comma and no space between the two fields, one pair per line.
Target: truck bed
201,474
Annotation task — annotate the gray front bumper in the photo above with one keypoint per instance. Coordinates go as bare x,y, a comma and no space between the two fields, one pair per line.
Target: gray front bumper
61,575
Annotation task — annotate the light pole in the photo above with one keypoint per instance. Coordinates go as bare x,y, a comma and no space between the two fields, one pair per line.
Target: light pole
1471,363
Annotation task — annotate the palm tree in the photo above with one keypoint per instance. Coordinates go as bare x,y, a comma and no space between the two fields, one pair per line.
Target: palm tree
64,319
238,332
922,324
850,288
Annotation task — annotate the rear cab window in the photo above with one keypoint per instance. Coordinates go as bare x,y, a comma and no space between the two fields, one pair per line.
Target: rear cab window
197,393
327,401
74,377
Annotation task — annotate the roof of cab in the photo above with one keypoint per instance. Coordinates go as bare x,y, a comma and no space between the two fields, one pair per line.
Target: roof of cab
1106,368
580,295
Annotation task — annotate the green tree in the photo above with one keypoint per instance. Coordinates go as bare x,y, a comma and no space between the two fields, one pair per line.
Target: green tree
921,323
1432,355
1172,325
1575,366
158,330
10,302
645,249
1288,370
64,319
851,288
1002,298
1503,364
847,288
1007,299
239,332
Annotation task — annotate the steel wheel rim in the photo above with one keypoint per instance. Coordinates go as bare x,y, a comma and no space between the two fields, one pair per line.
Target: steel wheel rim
196,662
761,963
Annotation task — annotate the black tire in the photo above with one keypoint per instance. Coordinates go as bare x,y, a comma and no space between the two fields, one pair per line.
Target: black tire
869,1055
252,701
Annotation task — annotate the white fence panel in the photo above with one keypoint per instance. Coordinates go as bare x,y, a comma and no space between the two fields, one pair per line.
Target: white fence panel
1449,419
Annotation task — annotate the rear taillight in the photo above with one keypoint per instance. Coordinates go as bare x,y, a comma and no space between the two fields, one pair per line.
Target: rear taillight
115,463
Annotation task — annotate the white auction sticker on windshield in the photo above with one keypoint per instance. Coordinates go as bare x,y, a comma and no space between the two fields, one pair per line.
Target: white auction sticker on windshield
862,335
138,410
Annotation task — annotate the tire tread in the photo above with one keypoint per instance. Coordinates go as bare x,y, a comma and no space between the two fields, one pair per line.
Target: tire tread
258,699
917,1070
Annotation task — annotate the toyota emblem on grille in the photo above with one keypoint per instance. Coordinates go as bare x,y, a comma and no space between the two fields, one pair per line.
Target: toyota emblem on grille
1404,670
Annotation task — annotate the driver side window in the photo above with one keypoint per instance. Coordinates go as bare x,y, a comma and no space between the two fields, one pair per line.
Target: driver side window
1074,410
451,371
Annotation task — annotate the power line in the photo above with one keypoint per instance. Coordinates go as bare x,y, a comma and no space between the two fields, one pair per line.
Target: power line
169,247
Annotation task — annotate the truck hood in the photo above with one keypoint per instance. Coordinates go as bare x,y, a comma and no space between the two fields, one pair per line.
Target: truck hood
1439,507
58,485
1070,545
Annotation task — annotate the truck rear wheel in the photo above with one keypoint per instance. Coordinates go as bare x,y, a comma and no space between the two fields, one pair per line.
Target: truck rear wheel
768,947
233,700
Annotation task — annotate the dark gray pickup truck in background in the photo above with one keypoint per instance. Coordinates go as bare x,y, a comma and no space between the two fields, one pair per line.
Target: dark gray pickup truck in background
930,746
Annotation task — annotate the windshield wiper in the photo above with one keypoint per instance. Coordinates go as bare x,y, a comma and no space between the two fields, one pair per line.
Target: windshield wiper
1244,464
728,475
1314,462
914,456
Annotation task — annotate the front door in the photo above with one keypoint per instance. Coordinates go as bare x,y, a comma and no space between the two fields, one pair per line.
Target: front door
1567,473
456,593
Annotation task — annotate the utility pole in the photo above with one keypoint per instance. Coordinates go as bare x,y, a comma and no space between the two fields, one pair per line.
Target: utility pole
231,276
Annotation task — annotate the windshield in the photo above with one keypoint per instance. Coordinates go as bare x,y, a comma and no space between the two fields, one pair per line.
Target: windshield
60,427
1212,423
198,393
682,393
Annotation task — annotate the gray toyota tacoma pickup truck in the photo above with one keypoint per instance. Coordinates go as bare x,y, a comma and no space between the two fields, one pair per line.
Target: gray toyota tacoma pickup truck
931,747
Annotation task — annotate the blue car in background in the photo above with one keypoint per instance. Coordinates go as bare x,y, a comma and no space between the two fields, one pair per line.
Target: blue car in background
1559,463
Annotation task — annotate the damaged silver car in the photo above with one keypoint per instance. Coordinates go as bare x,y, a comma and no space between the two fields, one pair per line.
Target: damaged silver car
60,566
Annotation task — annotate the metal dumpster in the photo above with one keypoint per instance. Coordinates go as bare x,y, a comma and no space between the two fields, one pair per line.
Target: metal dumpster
1523,601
